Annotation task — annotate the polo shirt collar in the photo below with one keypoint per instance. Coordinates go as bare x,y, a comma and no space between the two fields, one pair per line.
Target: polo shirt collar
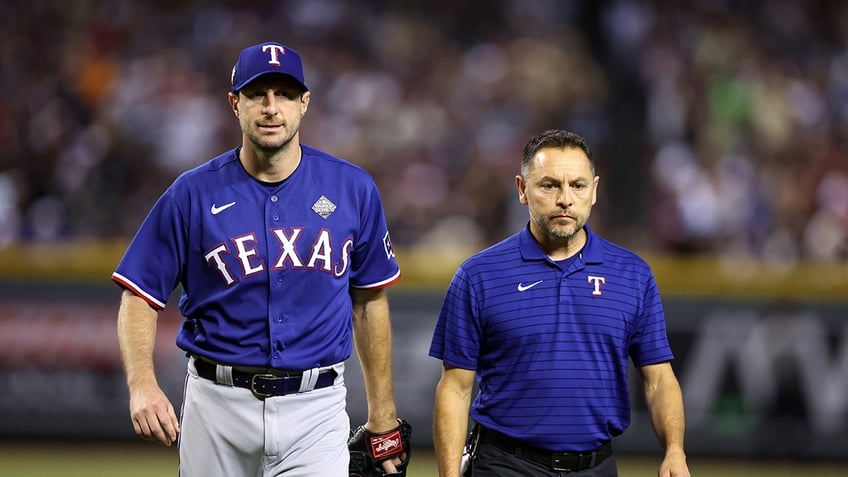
530,249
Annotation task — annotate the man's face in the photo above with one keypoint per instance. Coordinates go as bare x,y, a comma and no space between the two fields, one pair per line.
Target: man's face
269,111
559,191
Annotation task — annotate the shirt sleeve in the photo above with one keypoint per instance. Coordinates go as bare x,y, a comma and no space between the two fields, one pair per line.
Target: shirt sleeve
374,264
151,265
650,339
456,339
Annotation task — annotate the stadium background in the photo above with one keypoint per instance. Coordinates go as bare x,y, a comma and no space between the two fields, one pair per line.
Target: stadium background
719,128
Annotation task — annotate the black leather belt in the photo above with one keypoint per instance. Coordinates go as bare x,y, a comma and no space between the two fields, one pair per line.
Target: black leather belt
556,461
264,385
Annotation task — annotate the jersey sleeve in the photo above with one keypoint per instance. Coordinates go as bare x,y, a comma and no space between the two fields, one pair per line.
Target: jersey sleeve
151,265
374,264
649,344
456,339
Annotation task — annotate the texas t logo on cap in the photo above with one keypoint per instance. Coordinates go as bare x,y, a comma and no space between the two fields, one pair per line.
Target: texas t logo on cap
266,58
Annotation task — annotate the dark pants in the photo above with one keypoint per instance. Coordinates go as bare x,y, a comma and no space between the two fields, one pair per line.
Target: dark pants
492,461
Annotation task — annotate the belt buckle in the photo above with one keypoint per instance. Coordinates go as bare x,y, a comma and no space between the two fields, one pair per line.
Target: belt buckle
257,393
556,460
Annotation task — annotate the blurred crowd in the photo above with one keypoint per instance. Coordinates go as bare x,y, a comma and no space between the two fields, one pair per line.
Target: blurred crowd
718,126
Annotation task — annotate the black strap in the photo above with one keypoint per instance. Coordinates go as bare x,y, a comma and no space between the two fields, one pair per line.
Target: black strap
557,461
264,385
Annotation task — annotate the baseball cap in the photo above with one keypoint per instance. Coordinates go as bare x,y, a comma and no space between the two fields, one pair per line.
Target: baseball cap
266,58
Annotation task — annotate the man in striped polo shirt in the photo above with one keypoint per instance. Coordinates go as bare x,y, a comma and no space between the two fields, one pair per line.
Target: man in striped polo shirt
546,321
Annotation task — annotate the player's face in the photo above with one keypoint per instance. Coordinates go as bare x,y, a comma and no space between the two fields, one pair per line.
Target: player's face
559,191
269,111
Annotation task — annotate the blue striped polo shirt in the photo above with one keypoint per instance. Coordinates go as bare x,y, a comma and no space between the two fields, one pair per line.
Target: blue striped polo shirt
550,345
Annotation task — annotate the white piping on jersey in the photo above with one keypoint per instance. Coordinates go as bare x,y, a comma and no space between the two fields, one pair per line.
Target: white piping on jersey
137,290
379,284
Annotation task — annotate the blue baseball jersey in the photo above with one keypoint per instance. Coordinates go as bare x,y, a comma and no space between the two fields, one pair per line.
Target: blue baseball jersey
265,270
549,341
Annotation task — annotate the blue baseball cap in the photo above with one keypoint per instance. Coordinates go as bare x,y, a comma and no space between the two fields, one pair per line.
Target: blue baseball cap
266,58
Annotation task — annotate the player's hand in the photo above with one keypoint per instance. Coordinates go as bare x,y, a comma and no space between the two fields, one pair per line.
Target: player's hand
674,465
390,465
369,449
153,416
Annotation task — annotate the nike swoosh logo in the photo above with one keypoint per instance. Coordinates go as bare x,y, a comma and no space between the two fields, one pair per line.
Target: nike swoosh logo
523,287
217,210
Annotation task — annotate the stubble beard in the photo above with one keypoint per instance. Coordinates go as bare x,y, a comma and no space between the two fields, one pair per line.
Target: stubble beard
563,233
270,148
268,145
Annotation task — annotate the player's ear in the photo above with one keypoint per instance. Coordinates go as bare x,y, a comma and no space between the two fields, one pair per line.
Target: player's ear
521,186
233,99
304,102
595,190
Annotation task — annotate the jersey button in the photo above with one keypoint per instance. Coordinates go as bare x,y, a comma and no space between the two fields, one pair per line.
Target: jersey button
274,198
276,217
278,318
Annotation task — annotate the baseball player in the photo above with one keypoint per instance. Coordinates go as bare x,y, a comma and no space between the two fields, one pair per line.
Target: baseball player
283,254
546,321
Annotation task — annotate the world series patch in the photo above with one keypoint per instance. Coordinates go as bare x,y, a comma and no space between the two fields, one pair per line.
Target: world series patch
323,207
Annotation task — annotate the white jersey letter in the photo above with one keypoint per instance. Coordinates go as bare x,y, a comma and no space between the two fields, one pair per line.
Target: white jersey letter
322,250
213,257
244,254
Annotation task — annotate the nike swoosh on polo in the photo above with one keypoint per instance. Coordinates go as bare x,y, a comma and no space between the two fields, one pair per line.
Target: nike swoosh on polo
217,210
523,287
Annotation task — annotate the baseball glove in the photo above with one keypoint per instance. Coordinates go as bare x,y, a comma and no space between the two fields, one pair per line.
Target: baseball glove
368,451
